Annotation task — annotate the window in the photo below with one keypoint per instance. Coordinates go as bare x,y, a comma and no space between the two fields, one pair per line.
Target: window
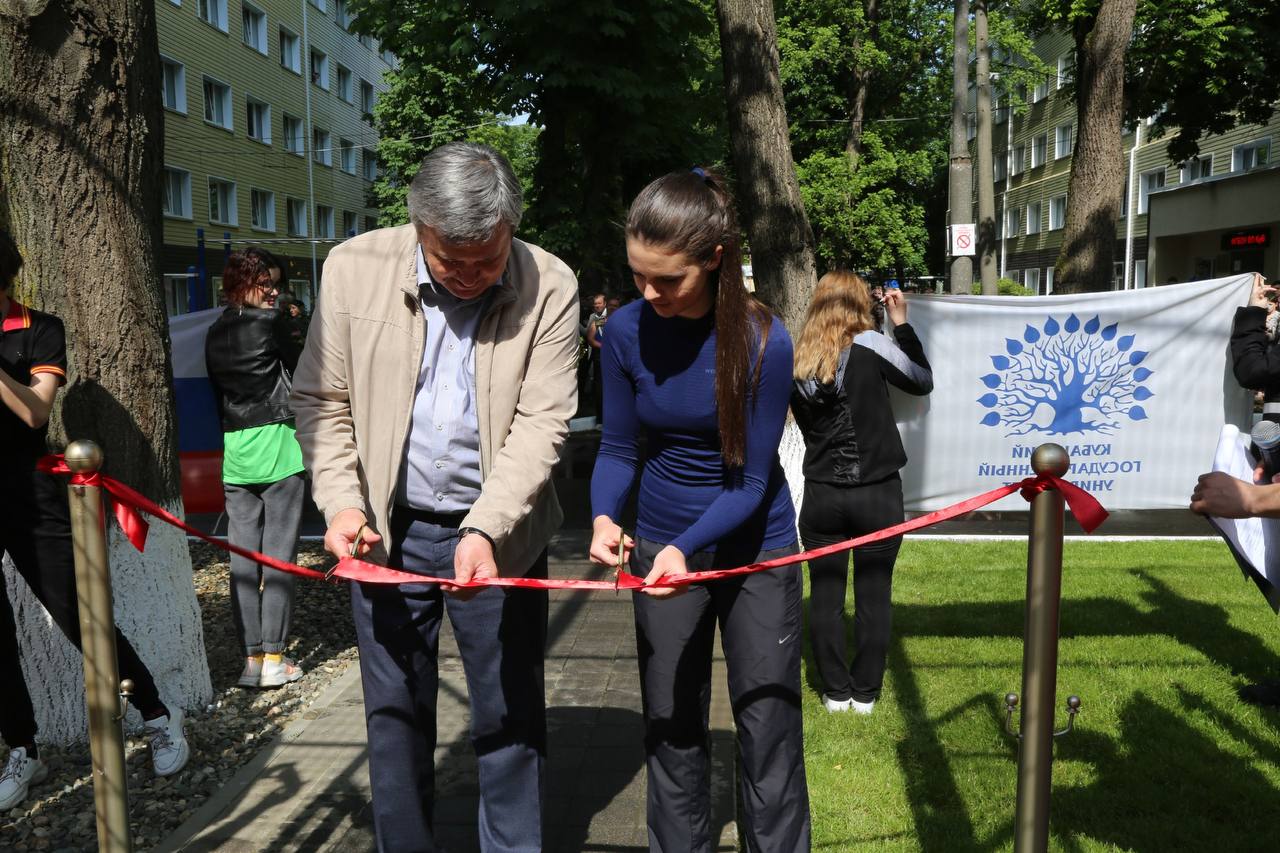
222,202
296,211
1048,280
1012,218
1196,169
173,92
370,165
213,12
1018,159
348,224
1039,145
176,294
324,220
345,90
1057,212
370,223
319,4
347,156
1250,155
970,125
258,116
367,41
1065,66
177,193
341,13
389,58
255,28
319,69
999,167
366,97
217,103
1041,92
264,209
320,151
300,288
1149,183
1032,280
293,140
1124,200
1015,276
1033,217
290,50
1139,274
1062,142
1000,114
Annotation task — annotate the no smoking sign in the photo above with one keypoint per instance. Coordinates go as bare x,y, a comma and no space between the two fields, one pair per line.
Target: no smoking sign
963,238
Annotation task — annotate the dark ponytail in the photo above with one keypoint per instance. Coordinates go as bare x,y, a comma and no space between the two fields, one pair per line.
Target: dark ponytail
693,213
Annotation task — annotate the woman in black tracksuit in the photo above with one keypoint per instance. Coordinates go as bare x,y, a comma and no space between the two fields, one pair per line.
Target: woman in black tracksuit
1255,357
852,457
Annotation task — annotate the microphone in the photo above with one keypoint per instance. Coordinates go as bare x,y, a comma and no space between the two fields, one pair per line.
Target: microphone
1266,448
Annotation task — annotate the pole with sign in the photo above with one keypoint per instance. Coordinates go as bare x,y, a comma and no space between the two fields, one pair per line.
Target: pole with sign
962,239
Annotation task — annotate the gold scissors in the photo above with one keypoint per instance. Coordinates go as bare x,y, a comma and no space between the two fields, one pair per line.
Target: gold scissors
617,575
355,550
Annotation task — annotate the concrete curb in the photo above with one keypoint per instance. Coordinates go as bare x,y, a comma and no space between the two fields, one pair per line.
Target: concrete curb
234,789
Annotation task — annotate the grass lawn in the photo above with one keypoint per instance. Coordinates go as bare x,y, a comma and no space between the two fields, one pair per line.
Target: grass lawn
1156,637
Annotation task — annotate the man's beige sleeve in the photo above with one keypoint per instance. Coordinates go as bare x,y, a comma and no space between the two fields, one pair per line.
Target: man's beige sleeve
322,404
548,399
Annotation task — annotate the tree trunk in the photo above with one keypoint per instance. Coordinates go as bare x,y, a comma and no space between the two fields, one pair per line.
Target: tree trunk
986,173
80,162
1097,164
768,192
861,84
960,171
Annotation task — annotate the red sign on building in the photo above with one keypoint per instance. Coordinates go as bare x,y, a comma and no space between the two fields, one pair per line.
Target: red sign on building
1254,238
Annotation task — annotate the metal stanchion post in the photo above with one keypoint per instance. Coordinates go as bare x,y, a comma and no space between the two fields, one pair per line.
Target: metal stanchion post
98,639
1040,656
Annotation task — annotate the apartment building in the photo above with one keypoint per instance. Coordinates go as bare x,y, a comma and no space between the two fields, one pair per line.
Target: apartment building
268,137
1216,215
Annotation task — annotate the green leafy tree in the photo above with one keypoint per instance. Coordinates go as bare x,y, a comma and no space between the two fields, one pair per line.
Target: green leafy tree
621,92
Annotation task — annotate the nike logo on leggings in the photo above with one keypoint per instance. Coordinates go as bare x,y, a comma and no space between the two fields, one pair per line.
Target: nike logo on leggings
784,639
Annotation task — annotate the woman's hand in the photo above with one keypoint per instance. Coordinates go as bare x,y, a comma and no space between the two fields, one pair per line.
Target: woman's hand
895,305
1260,296
669,562
605,536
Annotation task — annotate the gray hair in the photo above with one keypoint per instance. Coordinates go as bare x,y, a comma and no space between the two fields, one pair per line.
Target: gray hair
465,191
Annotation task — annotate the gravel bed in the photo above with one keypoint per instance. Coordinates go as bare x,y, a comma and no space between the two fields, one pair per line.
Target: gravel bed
58,813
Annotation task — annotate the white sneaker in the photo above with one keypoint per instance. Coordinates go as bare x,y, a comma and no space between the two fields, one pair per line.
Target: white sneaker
169,748
277,673
836,706
19,774
862,707
251,676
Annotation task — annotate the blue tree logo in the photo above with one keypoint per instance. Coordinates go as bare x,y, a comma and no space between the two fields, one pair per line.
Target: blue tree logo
1068,378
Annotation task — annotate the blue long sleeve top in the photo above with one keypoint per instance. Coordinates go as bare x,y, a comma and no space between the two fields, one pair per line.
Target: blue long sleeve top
659,376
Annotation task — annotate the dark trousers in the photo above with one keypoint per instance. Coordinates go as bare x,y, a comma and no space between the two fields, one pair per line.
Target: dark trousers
35,531
263,517
832,514
759,617
501,635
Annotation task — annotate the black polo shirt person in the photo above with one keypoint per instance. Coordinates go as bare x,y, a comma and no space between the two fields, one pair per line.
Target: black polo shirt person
35,533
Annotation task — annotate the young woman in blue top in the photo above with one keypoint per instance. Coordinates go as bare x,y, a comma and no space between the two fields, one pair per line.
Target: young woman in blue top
703,371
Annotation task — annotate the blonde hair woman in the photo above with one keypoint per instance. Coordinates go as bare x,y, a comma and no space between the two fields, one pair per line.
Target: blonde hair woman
853,453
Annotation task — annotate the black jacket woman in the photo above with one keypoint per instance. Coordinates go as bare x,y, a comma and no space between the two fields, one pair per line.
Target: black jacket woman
852,457
250,356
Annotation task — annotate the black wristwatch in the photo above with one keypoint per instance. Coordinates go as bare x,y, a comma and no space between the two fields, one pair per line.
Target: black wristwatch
463,531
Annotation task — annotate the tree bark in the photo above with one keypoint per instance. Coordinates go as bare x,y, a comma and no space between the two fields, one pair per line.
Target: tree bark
960,171
769,200
861,84
81,150
986,173
1085,262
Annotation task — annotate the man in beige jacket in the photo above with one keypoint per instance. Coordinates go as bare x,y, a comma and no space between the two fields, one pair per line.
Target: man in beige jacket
432,399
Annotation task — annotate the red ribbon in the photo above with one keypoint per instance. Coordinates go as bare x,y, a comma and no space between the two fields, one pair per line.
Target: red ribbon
128,502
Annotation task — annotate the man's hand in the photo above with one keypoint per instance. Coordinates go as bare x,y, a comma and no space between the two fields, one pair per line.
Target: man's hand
604,543
670,561
1259,297
343,531
472,560
1223,496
